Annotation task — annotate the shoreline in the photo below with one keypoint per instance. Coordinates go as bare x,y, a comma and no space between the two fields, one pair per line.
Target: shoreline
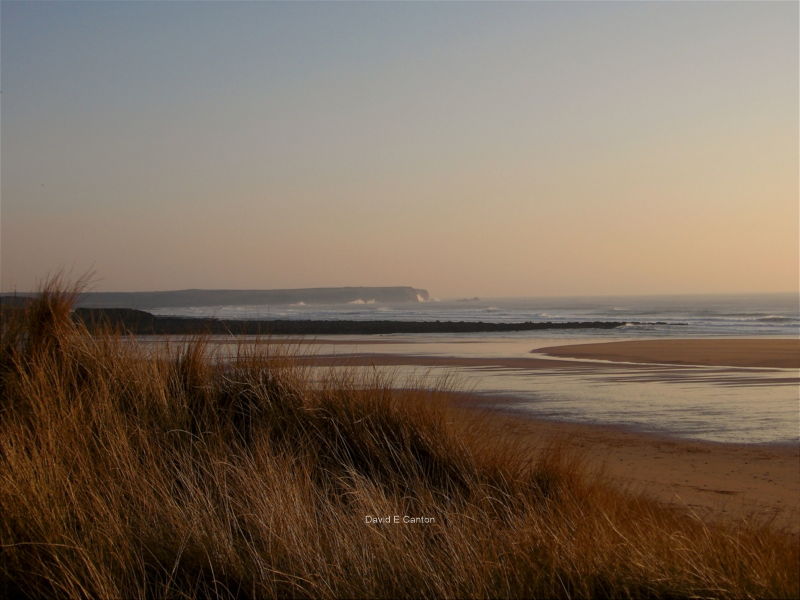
652,397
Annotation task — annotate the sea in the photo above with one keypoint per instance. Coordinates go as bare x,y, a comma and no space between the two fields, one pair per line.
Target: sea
639,316
712,404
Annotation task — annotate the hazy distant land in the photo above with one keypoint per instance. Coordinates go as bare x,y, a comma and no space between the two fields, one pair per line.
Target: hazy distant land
323,295
194,297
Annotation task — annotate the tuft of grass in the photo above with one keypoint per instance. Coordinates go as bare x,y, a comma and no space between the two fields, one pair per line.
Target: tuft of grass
127,472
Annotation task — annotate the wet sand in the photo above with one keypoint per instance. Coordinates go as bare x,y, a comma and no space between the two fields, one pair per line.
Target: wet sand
379,359
771,353
712,479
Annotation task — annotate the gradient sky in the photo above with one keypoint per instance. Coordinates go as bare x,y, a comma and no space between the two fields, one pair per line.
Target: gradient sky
488,149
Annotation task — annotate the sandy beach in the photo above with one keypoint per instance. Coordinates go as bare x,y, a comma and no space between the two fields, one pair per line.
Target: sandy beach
772,353
726,352
736,480
712,479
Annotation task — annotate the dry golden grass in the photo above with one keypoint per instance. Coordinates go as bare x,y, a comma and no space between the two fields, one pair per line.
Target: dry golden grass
129,474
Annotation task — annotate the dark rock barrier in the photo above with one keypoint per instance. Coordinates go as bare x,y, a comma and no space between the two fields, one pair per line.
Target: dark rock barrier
143,323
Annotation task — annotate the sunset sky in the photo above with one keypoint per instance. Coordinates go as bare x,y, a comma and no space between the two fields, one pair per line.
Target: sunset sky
490,149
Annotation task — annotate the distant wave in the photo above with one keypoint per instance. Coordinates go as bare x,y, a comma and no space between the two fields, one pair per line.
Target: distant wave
762,314
755,318
362,301
640,326
778,319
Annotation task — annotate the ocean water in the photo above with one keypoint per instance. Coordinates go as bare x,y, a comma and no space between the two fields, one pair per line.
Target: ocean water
640,316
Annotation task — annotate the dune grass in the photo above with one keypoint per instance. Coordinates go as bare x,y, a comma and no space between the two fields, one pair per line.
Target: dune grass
127,473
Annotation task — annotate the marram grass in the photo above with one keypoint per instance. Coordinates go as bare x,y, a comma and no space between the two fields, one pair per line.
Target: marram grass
133,473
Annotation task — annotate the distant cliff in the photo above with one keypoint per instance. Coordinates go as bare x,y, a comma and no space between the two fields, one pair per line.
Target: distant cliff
333,295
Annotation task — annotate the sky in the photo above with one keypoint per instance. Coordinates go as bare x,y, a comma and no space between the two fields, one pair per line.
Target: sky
486,148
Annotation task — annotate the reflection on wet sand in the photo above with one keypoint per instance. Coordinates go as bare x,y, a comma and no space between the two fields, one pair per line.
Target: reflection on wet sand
714,403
